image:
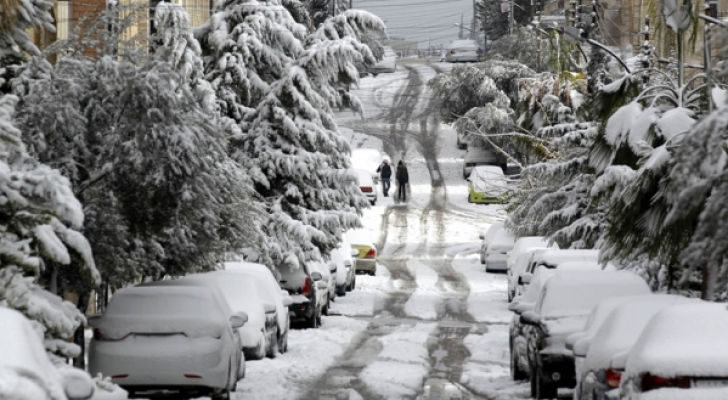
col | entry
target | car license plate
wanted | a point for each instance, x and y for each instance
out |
(710, 383)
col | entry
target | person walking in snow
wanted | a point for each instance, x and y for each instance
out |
(385, 174)
(402, 180)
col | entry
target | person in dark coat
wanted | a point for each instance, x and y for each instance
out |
(402, 180)
(385, 174)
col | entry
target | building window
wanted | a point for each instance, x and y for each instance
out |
(64, 15)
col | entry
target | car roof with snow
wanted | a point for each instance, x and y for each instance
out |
(575, 293)
(618, 322)
(465, 44)
(488, 171)
(360, 237)
(555, 257)
(364, 177)
(683, 340)
(503, 239)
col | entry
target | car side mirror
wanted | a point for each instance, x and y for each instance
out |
(93, 320)
(238, 319)
(573, 338)
(322, 285)
(269, 308)
(77, 384)
(513, 306)
(525, 279)
(481, 236)
(316, 276)
(354, 252)
(332, 267)
(530, 318)
(581, 347)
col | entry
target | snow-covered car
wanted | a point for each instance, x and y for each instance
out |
(525, 243)
(328, 272)
(518, 344)
(476, 156)
(366, 260)
(387, 64)
(555, 258)
(486, 237)
(367, 185)
(487, 185)
(367, 160)
(462, 51)
(168, 338)
(272, 293)
(347, 254)
(308, 290)
(26, 373)
(681, 354)
(566, 300)
(600, 351)
(259, 335)
(519, 267)
(496, 254)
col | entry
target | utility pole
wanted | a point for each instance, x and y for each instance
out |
(462, 19)
(472, 31)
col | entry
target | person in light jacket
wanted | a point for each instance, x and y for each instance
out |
(402, 180)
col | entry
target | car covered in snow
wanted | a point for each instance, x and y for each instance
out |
(270, 291)
(519, 267)
(462, 51)
(26, 372)
(563, 307)
(681, 354)
(366, 260)
(522, 245)
(328, 272)
(487, 185)
(308, 291)
(486, 237)
(480, 155)
(496, 254)
(168, 338)
(553, 259)
(387, 64)
(600, 351)
(367, 185)
(342, 256)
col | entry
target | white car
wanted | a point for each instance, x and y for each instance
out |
(462, 51)
(487, 237)
(328, 291)
(367, 160)
(476, 156)
(556, 258)
(527, 242)
(168, 338)
(496, 255)
(520, 267)
(259, 335)
(612, 329)
(26, 372)
(562, 309)
(367, 185)
(345, 277)
(271, 291)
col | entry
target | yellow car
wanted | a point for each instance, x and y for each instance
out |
(487, 185)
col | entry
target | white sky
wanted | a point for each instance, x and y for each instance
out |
(421, 20)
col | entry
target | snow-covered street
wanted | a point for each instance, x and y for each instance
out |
(431, 324)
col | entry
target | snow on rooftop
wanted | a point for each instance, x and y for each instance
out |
(575, 293)
(684, 340)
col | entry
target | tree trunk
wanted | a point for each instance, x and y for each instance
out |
(78, 337)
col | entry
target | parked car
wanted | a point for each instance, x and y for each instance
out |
(366, 260)
(600, 352)
(168, 338)
(496, 254)
(566, 300)
(681, 354)
(367, 185)
(328, 272)
(387, 64)
(26, 372)
(308, 292)
(518, 332)
(487, 185)
(271, 292)
(367, 160)
(462, 51)
(519, 267)
(487, 237)
(525, 243)
(555, 258)
(476, 156)
(345, 273)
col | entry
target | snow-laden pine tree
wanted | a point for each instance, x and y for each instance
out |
(40, 218)
(280, 84)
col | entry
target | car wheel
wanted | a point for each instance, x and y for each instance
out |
(516, 372)
(261, 350)
(482, 261)
(318, 319)
(325, 309)
(544, 390)
(510, 296)
(220, 394)
(313, 321)
(283, 343)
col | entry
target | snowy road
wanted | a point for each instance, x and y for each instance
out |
(431, 324)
